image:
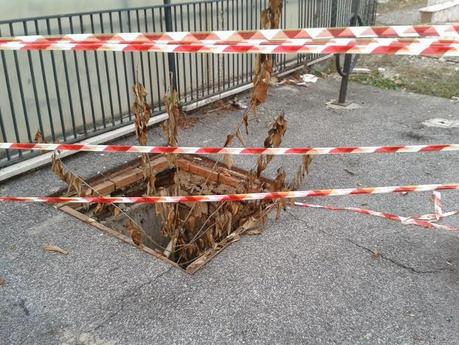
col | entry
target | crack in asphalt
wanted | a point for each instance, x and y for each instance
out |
(127, 295)
(391, 260)
(395, 262)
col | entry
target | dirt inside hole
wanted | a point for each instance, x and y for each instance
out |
(200, 230)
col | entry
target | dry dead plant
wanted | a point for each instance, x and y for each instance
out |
(169, 214)
(170, 125)
(270, 19)
(142, 113)
(218, 219)
(57, 167)
(302, 171)
(274, 139)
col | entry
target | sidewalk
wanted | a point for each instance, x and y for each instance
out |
(310, 278)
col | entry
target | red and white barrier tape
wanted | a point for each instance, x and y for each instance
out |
(65, 44)
(231, 150)
(424, 47)
(399, 31)
(233, 197)
(425, 221)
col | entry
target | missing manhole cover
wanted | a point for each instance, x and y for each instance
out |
(203, 229)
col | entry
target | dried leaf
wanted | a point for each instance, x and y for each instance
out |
(279, 181)
(2, 281)
(229, 140)
(239, 137)
(200, 209)
(376, 253)
(142, 113)
(54, 249)
(302, 171)
(171, 124)
(116, 212)
(229, 224)
(252, 223)
(99, 209)
(228, 160)
(39, 138)
(245, 120)
(276, 132)
(170, 248)
(254, 232)
(261, 165)
(73, 181)
(135, 234)
(234, 207)
(278, 211)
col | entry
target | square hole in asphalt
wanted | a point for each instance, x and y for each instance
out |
(186, 235)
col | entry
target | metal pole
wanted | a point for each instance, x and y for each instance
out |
(347, 68)
(170, 56)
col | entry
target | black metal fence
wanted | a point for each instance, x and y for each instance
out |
(70, 96)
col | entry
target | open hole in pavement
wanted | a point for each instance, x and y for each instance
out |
(199, 230)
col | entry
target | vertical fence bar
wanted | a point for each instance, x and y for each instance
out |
(126, 81)
(117, 82)
(190, 65)
(107, 74)
(96, 58)
(158, 84)
(150, 75)
(334, 13)
(56, 85)
(166, 72)
(182, 56)
(88, 80)
(140, 53)
(170, 56)
(177, 58)
(45, 86)
(4, 137)
(67, 83)
(77, 70)
(34, 83)
(21, 88)
(10, 98)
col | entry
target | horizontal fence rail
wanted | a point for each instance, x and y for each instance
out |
(70, 96)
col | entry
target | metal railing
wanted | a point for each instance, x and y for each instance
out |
(70, 96)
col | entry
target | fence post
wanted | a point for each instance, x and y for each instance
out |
(170, 56)
(347, 68)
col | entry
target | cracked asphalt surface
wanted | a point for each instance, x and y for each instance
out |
(314, 277)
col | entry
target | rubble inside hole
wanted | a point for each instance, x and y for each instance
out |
(200, 231)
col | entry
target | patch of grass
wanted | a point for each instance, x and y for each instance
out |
(376, 79)
(435, 83)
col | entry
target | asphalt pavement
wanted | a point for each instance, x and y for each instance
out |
(313, 277)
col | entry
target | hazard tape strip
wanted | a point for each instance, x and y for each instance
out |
(424, 47)
(233, 197)
(232, 150)
(425, 221)
(400, 31)
(438, 210)
(64, 44)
